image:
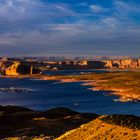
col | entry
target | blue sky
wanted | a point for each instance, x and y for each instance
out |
(69, 27)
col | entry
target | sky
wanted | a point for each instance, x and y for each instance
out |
(70, 27)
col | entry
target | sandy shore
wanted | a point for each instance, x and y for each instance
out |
(33, 76)
(60, 80)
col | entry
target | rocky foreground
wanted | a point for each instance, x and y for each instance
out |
(117, 127)
(18, 123)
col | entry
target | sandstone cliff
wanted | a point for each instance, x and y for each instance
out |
(19, 68)
(12, 70)
(124, 64)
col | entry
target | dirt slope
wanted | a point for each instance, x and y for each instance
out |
(100, 130)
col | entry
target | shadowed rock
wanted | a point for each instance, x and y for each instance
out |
(18, 121)
(60, 113)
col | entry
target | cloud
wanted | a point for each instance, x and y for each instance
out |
(43, 28)
(20, 10)
(62, 39)
(97, 8)
(111, 21)
(27, 15)
(126, 7)
(16, 9)
(123, 14)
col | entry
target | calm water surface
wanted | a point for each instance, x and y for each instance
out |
(50, 94)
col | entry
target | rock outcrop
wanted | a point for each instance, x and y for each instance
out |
(12, 70)
(18, 123)
(19, 68)
(124, 64)
(116, 127)
(121, 63)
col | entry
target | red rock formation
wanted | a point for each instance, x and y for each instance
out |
(127, 63)
(18, 68)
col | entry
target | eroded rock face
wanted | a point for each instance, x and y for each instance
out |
(119, 63)
(129, 63)
(12, 70)
(18, 68)
(15, 68)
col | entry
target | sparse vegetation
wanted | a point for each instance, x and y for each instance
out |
(130, 121)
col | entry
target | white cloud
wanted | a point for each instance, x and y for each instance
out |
(17, 9)
(111, 21)
(64, 38)
(126, 7)
(97, 8)
(57, 27)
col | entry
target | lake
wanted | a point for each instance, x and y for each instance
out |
(45, 95)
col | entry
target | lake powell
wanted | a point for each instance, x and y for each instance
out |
(44, 95)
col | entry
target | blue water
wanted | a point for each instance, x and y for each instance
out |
(51, 94)
(74, 72)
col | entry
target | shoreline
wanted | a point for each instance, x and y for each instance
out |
(96, 85)
(122, 94)
(33, 76)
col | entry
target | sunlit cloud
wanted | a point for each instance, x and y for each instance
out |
(47, 28)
